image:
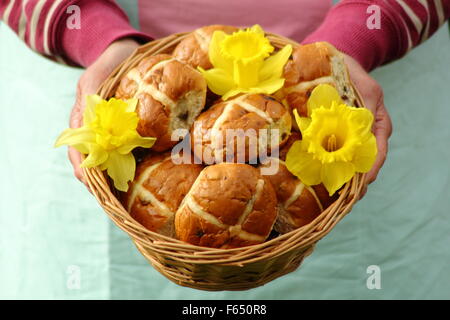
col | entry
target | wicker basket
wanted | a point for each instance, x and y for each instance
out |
(208, 268)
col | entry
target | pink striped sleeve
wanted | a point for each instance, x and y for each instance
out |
(51, 27)
(352, 26)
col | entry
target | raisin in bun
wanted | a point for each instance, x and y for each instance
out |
(311, 65)
(298, 204)
(245, 114)
(195, 47)
(230, 205)
(159, 187)
(171, 95)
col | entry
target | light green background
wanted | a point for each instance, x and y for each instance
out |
(49, 222)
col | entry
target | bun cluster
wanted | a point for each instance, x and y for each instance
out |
(220, 197)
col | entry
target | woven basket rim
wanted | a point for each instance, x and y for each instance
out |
(178, 250)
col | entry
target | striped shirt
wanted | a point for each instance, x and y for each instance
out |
(402, 25)
(373, 32)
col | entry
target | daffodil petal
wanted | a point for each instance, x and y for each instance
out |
(366, 155)
(303, 165)
(334, 175)
(215, 56)
(257, 29)
(137, 141)
(296, 116)
(302, 122)
(218, 80)
(270, 86)
(131, 105)
(97, 156)
(89, 112)
(363, 118)
(121, 168)
(273, 66)
(323, 95)
(232, 93)
(103, 166)
(79, 138)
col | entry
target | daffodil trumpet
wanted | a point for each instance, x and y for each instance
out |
(242, 63)
(337, 141)
(107, 137)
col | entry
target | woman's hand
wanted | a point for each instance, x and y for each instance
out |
(372, 95)
(90, 81)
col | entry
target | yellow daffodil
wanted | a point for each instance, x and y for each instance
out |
(322, 95)
(337, 141)
(108, 136)
(242, 63)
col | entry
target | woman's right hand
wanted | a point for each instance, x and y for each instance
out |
(89, 83)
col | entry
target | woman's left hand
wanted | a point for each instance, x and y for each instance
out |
(372, 94)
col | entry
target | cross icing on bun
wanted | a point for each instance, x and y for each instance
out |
(218, 133)
(171, 95)
(158, 190)
(230, 205)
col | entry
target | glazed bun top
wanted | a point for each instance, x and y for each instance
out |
(229, 205)
(171, 95)
(309, 62)
(194, 48)
(158, 189)
(311, 65)
(217, 135)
